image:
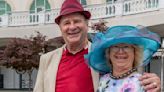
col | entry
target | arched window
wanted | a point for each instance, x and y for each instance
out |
(126, 7)
(39, 5)
(83, 2)
(110, 1)
(4, 7)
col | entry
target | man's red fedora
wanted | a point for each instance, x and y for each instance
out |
(72, 6)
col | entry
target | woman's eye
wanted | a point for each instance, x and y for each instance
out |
(126, 47)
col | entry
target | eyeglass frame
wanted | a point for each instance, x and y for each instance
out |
(125, 48)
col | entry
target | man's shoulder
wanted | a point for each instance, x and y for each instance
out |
(47, 57)
(58, 50)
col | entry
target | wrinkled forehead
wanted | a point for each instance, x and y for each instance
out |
(75, 15)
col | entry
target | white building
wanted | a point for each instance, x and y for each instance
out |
(20, 18)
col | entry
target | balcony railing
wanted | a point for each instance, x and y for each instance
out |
(98, 11)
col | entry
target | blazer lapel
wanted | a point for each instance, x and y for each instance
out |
(53, 68)
(95, 79)
(95, 75)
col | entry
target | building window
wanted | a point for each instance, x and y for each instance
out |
(4, 7)
(10, 79)
(83, 2)
(39, 6)
(111, 1)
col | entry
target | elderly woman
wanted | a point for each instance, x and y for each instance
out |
(120, 53)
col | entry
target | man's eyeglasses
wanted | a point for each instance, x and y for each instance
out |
(125, 48)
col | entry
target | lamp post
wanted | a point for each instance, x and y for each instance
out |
(162, 66)
(162, 70)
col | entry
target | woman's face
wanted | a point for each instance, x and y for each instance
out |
(121, 55)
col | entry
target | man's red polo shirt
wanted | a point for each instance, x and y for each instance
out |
(73, 74)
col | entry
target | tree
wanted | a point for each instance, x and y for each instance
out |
(23, 55)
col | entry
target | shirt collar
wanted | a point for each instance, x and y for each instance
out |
(69, 53)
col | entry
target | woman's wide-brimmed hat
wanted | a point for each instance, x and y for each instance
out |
(140, 36)
(72, 6)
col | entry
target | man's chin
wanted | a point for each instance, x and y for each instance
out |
(74, 42)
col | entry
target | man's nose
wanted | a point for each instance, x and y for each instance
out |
(72, 26)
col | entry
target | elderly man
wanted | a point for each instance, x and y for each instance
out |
(64, 69)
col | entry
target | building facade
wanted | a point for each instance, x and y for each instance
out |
(20, 18)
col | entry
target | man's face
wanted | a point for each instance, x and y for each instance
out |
(74, 28)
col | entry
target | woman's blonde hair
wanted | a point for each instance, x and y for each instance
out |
(138, 52)
(138, 59)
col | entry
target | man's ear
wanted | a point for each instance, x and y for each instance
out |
(87, 21)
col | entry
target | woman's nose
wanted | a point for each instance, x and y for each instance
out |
(121, 50)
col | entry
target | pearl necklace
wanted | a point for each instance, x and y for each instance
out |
(122, 75)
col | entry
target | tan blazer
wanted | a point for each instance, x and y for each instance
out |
(46, 78)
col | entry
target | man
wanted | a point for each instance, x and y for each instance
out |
(64, 69)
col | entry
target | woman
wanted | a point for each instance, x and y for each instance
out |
(120, 53)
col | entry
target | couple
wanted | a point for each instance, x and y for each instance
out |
(65, 69)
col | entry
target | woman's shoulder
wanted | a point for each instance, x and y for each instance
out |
(134, 75)
(133, 82)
